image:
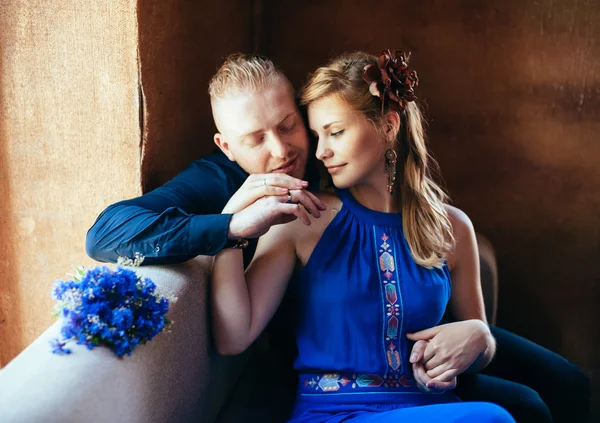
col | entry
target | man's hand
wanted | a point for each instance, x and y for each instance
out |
(269, 199)
(448, 350)
(256, 219)
(262, 185)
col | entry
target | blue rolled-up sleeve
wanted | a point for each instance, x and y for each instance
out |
(171, 224)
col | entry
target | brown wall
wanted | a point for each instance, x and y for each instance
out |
(512, 92)
(69, 137)
(181, 45)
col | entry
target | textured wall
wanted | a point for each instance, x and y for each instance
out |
(181, 45)
(512, 90)
(69, 145)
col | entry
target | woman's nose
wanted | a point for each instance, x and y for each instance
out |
(323, 151)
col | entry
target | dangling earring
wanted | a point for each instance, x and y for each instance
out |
(391, 158)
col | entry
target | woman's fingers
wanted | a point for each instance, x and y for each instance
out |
(427, 384)
(417, 351)
(280, 180)
(269, 190)
(421, 377)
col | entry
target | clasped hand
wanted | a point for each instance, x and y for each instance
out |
(443, 352)
(270, 199)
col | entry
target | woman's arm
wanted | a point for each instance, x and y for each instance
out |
(466, 301)
(465, 345)
(242, 304)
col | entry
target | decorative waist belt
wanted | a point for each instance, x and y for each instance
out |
(339, 383)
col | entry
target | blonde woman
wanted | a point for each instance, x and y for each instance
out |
(383, 261)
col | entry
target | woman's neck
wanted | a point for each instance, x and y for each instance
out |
(377, 197)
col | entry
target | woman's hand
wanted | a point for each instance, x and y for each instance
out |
(450, 349)
(267, 200)
(424, 381)
(258, 186)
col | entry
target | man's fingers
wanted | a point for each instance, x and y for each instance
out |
(424, 335)
(435, 371)
(321, 205)
(441, 386)
(285, 218)
(431, 357)
(417, 351)
(300, 196)
(296, 210)
(281, 183)
(446, 376)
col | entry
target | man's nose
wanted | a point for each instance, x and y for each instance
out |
(279, 148)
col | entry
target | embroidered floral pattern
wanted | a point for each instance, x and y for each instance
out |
(346, 382)
(390, 288)
(395, 379)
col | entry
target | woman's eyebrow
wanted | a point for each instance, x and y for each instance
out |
(330, 123)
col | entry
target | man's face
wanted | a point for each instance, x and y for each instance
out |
(263, 132)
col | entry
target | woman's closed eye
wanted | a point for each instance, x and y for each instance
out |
(337, 133)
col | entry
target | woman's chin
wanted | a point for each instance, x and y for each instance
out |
(341, 183)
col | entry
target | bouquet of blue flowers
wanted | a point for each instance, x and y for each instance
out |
(114, 308)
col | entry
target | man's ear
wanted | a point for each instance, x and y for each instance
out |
(223, 145)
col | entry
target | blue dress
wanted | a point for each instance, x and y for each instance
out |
(357, 297)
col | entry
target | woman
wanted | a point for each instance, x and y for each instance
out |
(376, 266)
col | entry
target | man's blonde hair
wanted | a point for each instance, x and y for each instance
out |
(243, 72)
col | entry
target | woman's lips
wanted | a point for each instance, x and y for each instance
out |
(334, 169)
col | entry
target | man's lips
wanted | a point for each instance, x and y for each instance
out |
(287, 167)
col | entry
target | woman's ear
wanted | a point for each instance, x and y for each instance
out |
(391, 123)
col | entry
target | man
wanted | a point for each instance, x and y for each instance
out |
(261, 133)
(230, 198)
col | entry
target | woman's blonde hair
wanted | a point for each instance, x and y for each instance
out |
(424, 216)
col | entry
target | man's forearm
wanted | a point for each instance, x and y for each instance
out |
(171, 236)
(486, 356)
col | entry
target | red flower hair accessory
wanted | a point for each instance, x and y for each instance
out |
(392, 78)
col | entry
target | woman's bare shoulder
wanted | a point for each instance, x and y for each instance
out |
(463, 234)
(461, 224)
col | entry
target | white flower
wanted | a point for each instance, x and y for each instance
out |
(137, 260)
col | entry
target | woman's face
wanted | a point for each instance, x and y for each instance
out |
(349, 146)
